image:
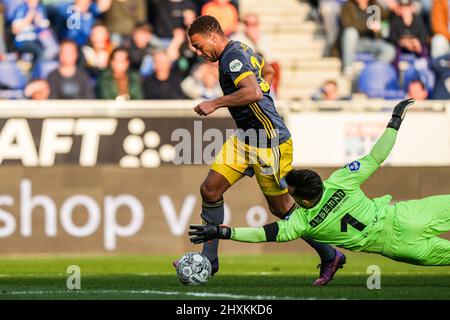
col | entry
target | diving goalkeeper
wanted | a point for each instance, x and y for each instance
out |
(336, 211)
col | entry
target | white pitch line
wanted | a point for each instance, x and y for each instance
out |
(156, 292)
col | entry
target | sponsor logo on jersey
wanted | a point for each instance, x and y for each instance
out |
(329, 206)
(244, 46)
(235, 65)
(354, 166)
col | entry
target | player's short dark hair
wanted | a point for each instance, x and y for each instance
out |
(205, 25)
(307, 184)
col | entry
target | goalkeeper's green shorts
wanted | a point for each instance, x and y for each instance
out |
(411, 230)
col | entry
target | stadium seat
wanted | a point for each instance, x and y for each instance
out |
(420, 70)
(43, 69)
(15, 78)
(407, 57)
(11, 94)
(11, 6)
(379, 80)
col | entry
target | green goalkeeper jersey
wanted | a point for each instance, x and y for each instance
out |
(344, 217)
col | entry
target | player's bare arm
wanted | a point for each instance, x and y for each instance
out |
(249, 92)
(268, 73)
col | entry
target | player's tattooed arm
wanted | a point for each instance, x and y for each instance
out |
(248, 92)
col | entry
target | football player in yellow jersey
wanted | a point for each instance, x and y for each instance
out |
(262, 144)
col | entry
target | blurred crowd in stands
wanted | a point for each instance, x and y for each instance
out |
(389, 48)
(137, 49)
(107, 49)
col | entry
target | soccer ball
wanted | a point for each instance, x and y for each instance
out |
(194, 268)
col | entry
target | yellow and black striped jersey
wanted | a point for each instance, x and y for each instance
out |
(237, 62)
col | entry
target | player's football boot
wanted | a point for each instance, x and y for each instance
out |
(329, 268)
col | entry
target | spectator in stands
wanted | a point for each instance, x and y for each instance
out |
(69, 81)
(78, 23)
(330, 11)
(179, 38)
(441, 67)
(185, 57)
(225, 13)
(170, 19)
(440, 23)
(407, 30)
(189, 15)
(203, 83)
(313, 14)
(165, 82)
(201, 3)
(358, 37)
(168, 15)
(424, 10)
(144, 44)
(119, 82)
(37, 90)
(32, 31)
(252, 36)
(95, 55)
(122, 16)
(417, 90)
(329, 91)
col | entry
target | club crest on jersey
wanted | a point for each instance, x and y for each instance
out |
(354, 166)
(235, 65)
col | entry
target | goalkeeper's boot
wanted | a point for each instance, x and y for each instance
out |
(329, 268)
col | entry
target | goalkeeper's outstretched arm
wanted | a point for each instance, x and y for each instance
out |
(385, 143)
(210, 231)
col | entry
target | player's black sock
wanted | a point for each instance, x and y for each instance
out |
(215, 213)
(325, 251)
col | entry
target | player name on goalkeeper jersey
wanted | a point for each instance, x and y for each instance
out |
(329, 206)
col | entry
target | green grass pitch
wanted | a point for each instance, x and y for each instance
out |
(270, 276)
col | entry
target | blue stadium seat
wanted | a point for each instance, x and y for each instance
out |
(407, 57)
(11, 6)
(43, 69)
(15, 79)
(420, 70)
(11, 94)
(379, 80)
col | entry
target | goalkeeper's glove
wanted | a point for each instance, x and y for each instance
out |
(399, 113)
(210, 231)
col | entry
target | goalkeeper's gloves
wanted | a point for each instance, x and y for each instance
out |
(210, 231)
(399, 113)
